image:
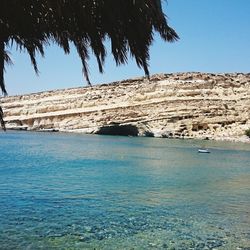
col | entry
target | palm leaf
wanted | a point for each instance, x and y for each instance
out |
(1, 119)
(128, 24)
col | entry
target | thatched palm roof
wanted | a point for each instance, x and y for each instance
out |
(128, 24)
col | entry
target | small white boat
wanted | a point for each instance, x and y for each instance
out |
(206, 151)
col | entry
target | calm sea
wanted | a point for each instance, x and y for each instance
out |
(67, 191)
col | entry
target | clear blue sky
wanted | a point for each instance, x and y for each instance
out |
(215, 37)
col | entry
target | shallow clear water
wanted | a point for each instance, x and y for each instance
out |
(64, 191)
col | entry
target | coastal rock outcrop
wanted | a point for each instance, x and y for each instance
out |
(182, 105)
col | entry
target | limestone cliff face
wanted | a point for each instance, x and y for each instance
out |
(189, 105)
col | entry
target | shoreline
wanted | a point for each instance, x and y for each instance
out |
(243, 139)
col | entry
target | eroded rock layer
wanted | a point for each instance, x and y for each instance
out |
(189, 105)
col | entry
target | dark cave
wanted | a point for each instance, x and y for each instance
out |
(124, 130)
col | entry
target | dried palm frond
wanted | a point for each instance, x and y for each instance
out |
(1, 119)
(129, 25)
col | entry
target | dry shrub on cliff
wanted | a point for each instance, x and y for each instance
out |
(247, 132)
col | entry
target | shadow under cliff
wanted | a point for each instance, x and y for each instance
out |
(124, 130)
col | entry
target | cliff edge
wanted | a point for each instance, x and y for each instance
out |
(181, 105)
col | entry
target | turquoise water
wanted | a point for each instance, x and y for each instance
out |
(64, 191)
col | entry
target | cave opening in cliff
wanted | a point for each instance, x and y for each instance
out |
(123, 130)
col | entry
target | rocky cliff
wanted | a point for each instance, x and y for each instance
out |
(186, 105)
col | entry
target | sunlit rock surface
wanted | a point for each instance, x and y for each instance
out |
(182, 105)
